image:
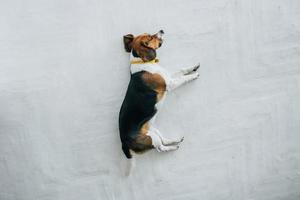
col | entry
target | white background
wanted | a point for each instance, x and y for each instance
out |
(64, 73)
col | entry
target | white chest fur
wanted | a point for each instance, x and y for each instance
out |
(150, 67)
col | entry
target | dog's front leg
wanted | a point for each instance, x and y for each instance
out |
(186, 71)
(178, 81)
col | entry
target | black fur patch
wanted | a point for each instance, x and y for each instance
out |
(138, 107)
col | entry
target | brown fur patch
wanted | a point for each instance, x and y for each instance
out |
(155, 82)
(142, 143)
(144, 128)
(145, 46)
(150, 41)
(144, 139)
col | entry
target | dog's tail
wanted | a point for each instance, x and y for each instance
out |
(130, 160)
(130, 165)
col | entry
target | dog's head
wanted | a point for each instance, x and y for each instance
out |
(145, 45)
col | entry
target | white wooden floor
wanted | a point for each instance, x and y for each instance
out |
(64, 73)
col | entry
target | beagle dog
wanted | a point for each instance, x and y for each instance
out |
(148, 86)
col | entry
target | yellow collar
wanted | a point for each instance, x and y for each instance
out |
(156, 60)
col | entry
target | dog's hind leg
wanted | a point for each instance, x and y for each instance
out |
(158, 143)
(163, 148)
(166, 141)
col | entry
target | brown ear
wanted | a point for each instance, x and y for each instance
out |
(147, 54)
(127, 39)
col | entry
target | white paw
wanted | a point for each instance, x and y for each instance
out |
(195, 75)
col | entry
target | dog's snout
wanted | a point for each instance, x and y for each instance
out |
(160, 33)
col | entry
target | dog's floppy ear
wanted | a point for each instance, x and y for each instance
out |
(127, 39)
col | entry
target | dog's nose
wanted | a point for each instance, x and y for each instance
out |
(160, 34)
